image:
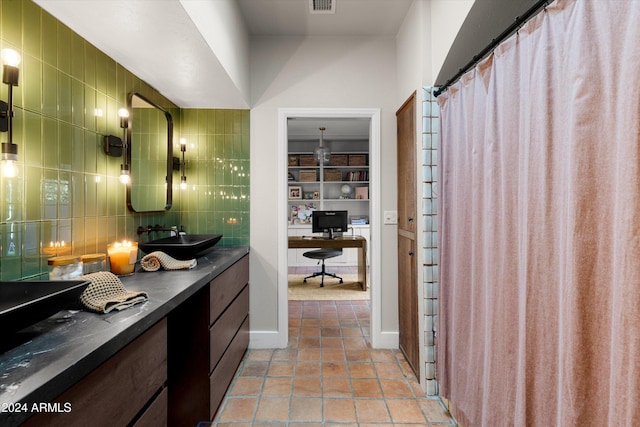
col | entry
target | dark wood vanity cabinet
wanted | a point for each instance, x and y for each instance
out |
(208, 336)
(127, 389)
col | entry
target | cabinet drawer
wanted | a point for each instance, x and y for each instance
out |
(156, 413)
(226, 286)
(117, 390)
(223, 374)
(225, 328)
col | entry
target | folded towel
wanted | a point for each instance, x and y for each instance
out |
(106, 293)
(157, 259)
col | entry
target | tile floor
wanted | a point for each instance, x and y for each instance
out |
(328, 376)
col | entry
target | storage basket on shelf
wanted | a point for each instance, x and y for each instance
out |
(339, 160)
(307, 160)
(357, 159)
(307, 175)
(332, 175)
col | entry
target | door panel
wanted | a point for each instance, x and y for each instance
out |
(407, 263)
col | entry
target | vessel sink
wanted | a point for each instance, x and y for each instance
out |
(25, 303)
(182, 247)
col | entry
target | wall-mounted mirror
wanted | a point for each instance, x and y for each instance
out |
(150, 154)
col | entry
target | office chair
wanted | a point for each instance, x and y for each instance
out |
(321, 255)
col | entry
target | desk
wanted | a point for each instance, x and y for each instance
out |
(359, 242)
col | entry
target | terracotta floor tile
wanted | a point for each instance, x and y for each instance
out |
(357, 355)
(273, 409)
(354, 342)
(333, 355)
(309, 354)
(394, 389)
(366, 388)
(330, 332)
(405, 411)
(254, 368)
(306, 409)
(334, 369)
(382, 356)
(277, 386)
(303, 387)
(260, 355)
(239, 409)
(362, 370)
(308, 369)
(339, 410)
(434, 410)
(309, 332)
(336, 387)
(351, 332)
(331, 342)
(372, 411)
(281, 368)
(247, 386)
(389, 370)
(328, 376)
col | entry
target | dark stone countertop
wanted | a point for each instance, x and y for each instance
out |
(45, 359)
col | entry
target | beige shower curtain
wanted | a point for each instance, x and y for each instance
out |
(539, 214)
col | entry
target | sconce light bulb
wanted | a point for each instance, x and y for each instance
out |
(11, 57)
(9, 168)
(125, 179)
(125, 176)
(123, 113)
(183, 182)
(183, 145)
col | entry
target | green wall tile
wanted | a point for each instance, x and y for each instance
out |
(50, 40)
(31, 83)
(64, 53)
(50, 145)
(67, 187)
(31, 36)
(11, 30)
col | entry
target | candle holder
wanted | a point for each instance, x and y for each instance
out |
(122, 257)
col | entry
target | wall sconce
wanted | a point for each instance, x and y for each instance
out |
(125, 172)
(183, 176)
(10, 73)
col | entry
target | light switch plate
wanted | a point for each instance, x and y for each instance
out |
(390, 217)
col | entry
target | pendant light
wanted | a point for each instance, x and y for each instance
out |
(322, 154)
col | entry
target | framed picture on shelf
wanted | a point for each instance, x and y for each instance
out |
(295, 192)
(308, 195)
(316, 195)
(362, 193)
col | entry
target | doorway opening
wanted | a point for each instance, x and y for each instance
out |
(307, 186)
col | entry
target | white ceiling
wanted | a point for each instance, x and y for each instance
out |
(159, 42)
(352, 18)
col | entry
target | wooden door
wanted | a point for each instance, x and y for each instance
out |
(407, 263)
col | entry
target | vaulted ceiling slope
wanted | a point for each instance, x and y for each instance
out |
(196, 52)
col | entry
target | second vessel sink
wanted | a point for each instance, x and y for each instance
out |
(25, 303)
(182, 247)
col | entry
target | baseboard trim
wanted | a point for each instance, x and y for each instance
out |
(267, 339)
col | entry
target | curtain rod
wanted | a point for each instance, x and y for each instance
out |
(519, 21)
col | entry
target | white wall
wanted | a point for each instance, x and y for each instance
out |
(321, 72)
(447, 18)
(227, 36)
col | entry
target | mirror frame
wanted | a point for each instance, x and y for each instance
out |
(169, 175)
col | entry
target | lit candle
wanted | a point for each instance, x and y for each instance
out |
(122, 256)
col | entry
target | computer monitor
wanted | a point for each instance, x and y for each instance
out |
(329, 222)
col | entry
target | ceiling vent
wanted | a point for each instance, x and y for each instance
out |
(322, 6)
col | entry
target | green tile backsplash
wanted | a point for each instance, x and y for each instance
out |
(67, 189)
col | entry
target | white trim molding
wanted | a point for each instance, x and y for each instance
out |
(377, 339)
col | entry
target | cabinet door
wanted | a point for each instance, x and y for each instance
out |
(118, 390)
